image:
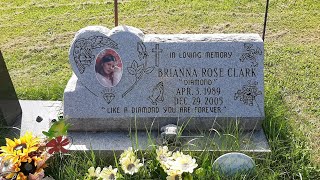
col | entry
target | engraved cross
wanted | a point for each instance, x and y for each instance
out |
(157, 50)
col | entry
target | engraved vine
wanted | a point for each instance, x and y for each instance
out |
(139, 69)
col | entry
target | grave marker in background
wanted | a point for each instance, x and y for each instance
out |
(10, 109)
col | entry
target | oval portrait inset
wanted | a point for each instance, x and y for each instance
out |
(108, 68)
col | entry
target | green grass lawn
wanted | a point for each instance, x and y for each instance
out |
(35, 39)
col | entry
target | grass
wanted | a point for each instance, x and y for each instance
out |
(35, 38)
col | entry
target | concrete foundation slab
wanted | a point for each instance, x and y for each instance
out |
(251, 142)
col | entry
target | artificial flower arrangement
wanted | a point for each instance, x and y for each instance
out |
(25, 158)
(176, 165)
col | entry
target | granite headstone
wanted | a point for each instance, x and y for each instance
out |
(122, 75)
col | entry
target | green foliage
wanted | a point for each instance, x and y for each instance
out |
(290, 157)
(58, 128)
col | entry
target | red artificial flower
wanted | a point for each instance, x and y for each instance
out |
(57, 145)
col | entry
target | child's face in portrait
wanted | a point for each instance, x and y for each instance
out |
(108, 67)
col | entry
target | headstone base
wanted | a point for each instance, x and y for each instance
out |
(115, 142)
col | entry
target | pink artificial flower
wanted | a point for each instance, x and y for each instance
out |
(36, 176)
(57, 145)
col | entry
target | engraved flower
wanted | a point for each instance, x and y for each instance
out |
(108, 173)
(248, 93)
(250, 54)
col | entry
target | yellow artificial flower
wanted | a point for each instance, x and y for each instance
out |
(19, 176)
(131, 165)
(108, 173)
(19, 148)
(23, 169)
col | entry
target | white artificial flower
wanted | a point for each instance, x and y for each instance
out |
(184, 163)
(170, 161)
(108, 173)
(94, 172)
(174, 174)
(166, 165)
(163, 154)
(177, 154)
(131, 165)
(127, 153)
(174, 177)
(1, 164)
(6, 166)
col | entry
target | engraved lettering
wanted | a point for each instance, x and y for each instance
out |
(185, 109)
(218, 55)
(190, 55)
(177, 72)
(242, 72)
(145, 109)
(207, 109)
(209, 72)
(113, 110)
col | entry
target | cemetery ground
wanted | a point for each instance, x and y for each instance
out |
(35, 39)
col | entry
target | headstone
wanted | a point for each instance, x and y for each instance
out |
(124, 78)
(10, 109)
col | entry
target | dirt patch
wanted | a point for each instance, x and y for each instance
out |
(15, 43)
(277, 34)
(31, 44)
(237, 14)
(310, 37)
(56, 5)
